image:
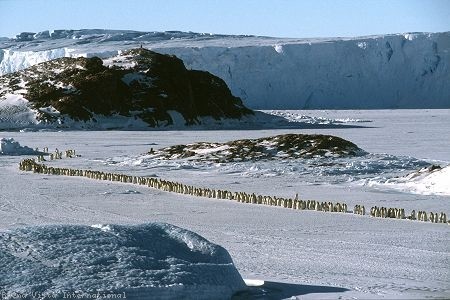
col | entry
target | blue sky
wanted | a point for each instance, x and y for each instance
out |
(282, 18)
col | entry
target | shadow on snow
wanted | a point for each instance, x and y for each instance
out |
(279, 290)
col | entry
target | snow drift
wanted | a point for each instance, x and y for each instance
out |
(389, 71)
(8, 146)
(429, 180)
(155, 260)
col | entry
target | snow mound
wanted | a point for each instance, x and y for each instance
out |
(430, 180)
(8, 146)
(155, 260)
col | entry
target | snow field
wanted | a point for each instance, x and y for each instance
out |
(370, 257)
(309, 254)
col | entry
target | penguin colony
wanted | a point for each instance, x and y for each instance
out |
(30, 165)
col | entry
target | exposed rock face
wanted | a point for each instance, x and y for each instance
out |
(280, 146)
(138, 83)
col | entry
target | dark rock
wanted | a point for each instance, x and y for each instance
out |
(431, 169)
(286, 146)
(139, 83)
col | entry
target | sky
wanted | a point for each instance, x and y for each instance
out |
(279, 18)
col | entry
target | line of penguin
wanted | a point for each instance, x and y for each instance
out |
(31, 165)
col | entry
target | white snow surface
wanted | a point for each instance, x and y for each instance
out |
(421, 182)
(281, 252)
(408, 70)
(135, 261)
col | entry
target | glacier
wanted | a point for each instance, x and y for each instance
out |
(408, 70)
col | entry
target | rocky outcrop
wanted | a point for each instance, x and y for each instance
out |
(138, 83)
(276, 147)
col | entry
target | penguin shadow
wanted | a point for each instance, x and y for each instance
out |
(278, 290)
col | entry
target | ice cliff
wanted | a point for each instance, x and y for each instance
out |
(390, 71)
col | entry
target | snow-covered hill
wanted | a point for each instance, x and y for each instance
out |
(391, 71)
